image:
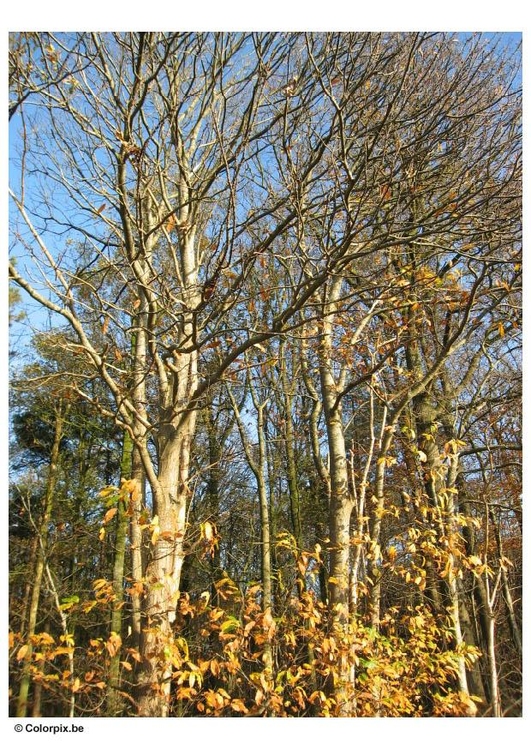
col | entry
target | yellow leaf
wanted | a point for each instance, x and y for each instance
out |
(238, 705)
(108, 491)
(68, 638)
(155, 529)
(101, 535)
(110, 515)
(207, 531)
(23, 650)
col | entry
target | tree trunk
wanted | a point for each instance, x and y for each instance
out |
(258, 466)
(170, 484)
(115, 702)
(265, 534)
(163, 573)
(40, 563)
(341, 504)
(136, 535)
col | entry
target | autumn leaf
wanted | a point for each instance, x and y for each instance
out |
(155, 529)
(207, 531)
(68, 602)
(230, 625)
(108, 491)
(110, 515)
(136, 588)
(171, 224)
(134, 654)
(23, 650)
(68, 639)
(113, 644)
(239, 706)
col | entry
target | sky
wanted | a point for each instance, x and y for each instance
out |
(229, 15)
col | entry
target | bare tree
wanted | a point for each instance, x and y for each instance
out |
(162, 181)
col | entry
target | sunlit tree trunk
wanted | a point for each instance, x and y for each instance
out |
(137, 496)
(341, 500)
(291, 463)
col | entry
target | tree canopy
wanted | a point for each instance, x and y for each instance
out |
(266, 436)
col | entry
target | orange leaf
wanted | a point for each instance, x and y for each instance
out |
(110, 515)
(113, 644)
(134, 654)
